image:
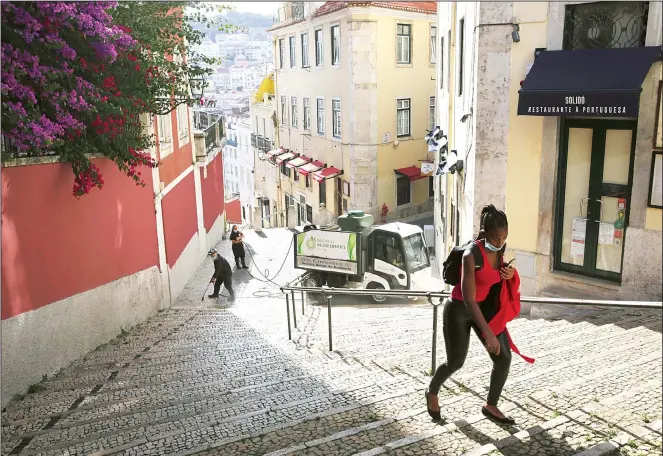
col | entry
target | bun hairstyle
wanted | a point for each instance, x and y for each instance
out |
(491, 219)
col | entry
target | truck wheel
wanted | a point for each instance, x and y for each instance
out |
(377, 297)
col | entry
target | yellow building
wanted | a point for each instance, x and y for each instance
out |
(355, 96)
(553, 107)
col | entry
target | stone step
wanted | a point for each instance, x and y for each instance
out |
(197, 432)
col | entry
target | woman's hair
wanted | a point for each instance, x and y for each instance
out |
(492, 219)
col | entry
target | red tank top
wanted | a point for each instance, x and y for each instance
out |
(484, 279)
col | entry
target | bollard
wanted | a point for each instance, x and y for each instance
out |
(287, 308)
(294, 312)
(302, 302)
(329, 323)
(433, 360)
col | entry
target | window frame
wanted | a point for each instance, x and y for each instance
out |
(398, 188)
(432, 44)
(304, 45)
(399, 38)
(319, 47)
(335, 44)
(293, 112)
(335, 134)
(320, 120)
(306, 106)
(322, 192)
(441, 60)
(432, 112)
(409, 116)
(461, 55)
(284, 110)
(183, 133)
(281, 53)
(292, 48)
(165, 135)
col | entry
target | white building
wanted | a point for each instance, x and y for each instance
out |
(238, 159)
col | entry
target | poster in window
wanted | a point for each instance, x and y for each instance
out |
(658, 131)
(578, 231)
(655, 184)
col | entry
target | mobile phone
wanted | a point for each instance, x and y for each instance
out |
(509, 263)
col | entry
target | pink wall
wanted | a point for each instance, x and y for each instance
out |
(212, 190)
(180, 221)
(55, 246)
(234, 212)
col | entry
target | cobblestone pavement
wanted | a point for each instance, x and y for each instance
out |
(215, 378)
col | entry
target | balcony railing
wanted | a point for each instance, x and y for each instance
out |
(290, 12)
(210, 139)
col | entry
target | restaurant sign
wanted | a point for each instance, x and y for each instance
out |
(592, 104)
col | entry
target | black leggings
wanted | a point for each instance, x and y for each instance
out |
(456, 324)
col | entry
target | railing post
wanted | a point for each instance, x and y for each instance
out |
(302, 302)
(329, 321)
(294, 312)
(287, 308)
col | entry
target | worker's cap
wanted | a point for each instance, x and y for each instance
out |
(211, 252)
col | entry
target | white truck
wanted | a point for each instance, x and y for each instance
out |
(357, 254)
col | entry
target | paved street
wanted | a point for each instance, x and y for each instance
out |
(214, 378)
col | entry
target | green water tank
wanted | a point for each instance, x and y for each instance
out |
(355, 221)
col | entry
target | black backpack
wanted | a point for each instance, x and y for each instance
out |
(452, 265)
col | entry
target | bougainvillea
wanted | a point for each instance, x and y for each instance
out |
(80, 78)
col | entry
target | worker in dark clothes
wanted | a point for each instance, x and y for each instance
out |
(237, 239)
(223, 274)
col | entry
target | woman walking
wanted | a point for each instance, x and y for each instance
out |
(474, 302)
(237, 239)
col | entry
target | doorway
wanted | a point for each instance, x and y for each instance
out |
(593, 196)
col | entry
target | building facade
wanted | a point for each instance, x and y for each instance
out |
(355, 98)
(238, 159)
(552, 130)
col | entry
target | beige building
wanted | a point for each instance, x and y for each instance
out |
(355, 96)
(555, 109)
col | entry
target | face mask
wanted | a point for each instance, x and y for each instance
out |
(491, 247)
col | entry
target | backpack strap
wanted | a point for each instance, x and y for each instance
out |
(478, 256)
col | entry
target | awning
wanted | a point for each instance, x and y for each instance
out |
(326, 173)
(297, 162)
(310, 167)
(275, 152)
(591, 82)
(283, 157)
(411, 172)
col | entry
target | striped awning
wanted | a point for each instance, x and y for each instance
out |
(310, 167)
(326, 173)
(297, 162)
(275, 152)
(283, 157)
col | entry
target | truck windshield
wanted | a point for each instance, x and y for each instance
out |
(415, 252)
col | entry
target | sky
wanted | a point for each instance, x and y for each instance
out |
(256, 7)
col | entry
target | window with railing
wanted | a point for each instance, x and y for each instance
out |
(604, 25)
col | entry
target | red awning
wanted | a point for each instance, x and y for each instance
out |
(297, 162)
(283, 157)
(310, 167)
(326, 173)
(275, 152)
(411, 172)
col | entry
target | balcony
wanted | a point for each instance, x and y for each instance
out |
(290, 12)
(210, 140)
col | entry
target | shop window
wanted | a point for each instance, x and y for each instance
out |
(605, 25)
(402, 191)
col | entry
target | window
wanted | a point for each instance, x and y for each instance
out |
(387, 249)
(403, 43)
(293, 56)
(336, 116)
(403, 117)
(304, 38)
(307, 181)
(284, 111)
(284, 169)
(295, 176)
(433, 44)
(183, 121)
(318, 48)
(309, 213)
(293, 111)
(323, 192)
(281, 53)
(461, 55)
(402, 191)
(345, 205)
(442, 63)
(321, 116)
(431, 187)
(431, 114)
(165, 135)
(336, 44)
(307, 113)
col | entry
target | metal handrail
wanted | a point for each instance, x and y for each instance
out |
(430, 295)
